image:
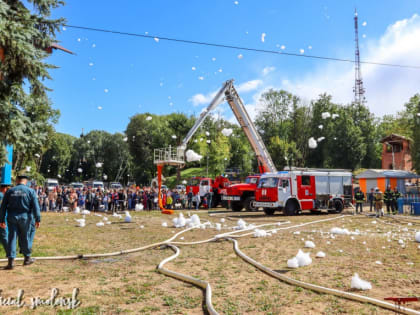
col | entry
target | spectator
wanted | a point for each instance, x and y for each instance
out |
(81, 200)
(52, 197)
(59, 201)
(169, 202)
(105, 201)
(190, 198)
(89, 199)
(97, 199)
(43, 200)
(145, 200)
(371, 199)
(121, 200)
(197, 200)
(73, 200)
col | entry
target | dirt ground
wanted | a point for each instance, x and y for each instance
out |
(131, 284)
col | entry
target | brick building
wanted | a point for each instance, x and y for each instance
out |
(396, 153)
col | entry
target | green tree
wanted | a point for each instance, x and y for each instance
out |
(274, 123)
(273, 118)
(284, 151)
(179, 125)
(57, 157)
(241, 154)
(365, 121)
(144, 136)
(299, 133)
(25, 110)
(347, 148)
(322, 129)
(218, 151)
(413, 108)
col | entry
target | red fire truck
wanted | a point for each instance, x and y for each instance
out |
(217, 186)
(297, 190)
(242, 195)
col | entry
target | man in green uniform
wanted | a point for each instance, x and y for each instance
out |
(20, 204)
(360, 199)
(3, 232)
(388, 199)
(395, 195)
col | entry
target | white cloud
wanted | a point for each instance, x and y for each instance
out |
(387, 88)
(201, 99)
(249, 86)
(205, 99)
(267, 70)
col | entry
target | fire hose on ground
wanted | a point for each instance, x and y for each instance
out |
(231, 237)
(320, 289)
(197, 282)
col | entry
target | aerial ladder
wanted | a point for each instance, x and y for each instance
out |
(176, 156)
(229, 93)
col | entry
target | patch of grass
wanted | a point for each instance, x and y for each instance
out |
(185, 175)
(89, 310)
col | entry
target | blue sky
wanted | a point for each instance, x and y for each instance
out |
(142, 75)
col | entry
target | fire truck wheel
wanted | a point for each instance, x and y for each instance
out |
(291, 208)
(269, 211)
(338, 206)
(236, 206)
(249, 204)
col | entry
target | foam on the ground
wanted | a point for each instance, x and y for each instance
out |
(417, 237)
(309, 244)
(357, 283)
(293, 263)
(127, 218)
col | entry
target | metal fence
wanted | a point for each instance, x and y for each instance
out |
(407, 202)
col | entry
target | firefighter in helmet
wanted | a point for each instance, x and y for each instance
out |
(388, 195)
(378, 202)
(360, 199)
(395, 195)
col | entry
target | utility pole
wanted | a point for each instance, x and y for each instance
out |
(359, 91)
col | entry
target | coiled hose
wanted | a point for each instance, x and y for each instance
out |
(197, 282)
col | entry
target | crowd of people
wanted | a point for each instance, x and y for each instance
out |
(63, 198)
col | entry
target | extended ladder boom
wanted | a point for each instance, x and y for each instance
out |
(254, 138)
(214, 103)
(229, 92)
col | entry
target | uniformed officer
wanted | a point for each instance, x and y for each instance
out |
(20, 204)
(388, 199)
(395, 195)
(378, 202)
(3, 232)
(360, 199)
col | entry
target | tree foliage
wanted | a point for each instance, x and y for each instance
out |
(26, 114)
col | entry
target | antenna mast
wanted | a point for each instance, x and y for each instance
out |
(359, 91)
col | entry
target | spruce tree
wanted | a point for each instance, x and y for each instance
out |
(26, 114)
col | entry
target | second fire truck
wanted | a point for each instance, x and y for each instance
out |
(299, 189)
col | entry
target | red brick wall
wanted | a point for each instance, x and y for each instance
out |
(402, 158)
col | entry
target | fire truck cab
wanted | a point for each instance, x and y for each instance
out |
(242, 195)
(295, 191)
